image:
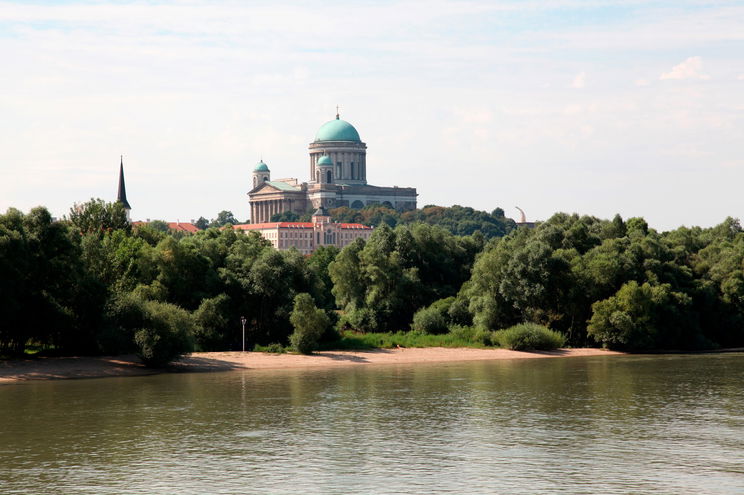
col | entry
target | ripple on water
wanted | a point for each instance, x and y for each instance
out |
(611, 425)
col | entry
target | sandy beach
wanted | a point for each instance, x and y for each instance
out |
(92, 367)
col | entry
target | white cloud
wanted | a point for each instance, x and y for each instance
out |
(741, 77)
(689, 69)
(641, 82)
(579, 81)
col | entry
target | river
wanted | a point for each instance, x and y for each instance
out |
(593, 425)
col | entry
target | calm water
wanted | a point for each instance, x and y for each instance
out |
(601, 425)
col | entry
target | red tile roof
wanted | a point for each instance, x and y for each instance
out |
(183, 226)
(177, 226)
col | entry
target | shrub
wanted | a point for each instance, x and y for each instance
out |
(485, 337)
(528, 337)
(462, 332)
(433, 319)
(271, 348)
(309, 324)
(167, 335)
(429, 320)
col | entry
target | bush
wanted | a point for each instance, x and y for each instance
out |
(167, 336)
(433, 319)
(462, 332)
(309, 324)
(529, 337)
(158, 332)
(271, 348)
(429, 320)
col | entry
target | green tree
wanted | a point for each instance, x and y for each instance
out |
(212, 329)
(98, 216)
(309, 324)
(202, 223)
(642, 316)
(46, 297)
(224, 218)
(166, 335)
(285, 216)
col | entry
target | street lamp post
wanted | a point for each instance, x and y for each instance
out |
(242, 322)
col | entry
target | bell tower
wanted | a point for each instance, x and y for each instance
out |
(261, 174)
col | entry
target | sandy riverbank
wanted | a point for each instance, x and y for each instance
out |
(92, 367)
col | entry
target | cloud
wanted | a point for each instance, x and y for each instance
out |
(741, 77)
(641, 82)
(579, 81)
(689, 69)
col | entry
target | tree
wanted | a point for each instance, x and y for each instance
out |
(166, 336)
(98, 216)
(285, 216)
(202, 223)
(159, 225)
(642, 317)
(309, 324)
(212, 324)
(47, 297)
(224, 218)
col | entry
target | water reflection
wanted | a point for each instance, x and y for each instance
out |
(661, 424)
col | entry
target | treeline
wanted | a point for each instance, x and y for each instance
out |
(92, 284)
(457, 220)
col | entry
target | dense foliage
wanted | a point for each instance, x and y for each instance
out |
(309, 323)
(457, 220)
(529, 337)
(92, 284)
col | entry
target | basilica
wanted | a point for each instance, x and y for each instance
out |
(338, 177)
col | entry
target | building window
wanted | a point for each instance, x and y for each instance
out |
(338, 170)
(330, 177)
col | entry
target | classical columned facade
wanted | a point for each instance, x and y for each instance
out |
(349, 160)
(338, 177)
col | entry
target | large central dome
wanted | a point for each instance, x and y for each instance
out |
(337, 130)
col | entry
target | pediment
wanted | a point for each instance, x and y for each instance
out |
(271, 188)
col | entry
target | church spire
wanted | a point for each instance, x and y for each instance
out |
(121, 196)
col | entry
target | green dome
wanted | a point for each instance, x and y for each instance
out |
(337, 130)
(325, 160)
(261, 167)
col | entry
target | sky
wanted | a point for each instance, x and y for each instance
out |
(591, 107)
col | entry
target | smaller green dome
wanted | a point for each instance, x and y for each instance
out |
(261, 167)
(325, 160)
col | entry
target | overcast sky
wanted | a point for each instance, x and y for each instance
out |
(594, 107)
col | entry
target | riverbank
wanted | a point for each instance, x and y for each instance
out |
(106, 366)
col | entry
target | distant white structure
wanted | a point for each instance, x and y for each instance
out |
(306, 237)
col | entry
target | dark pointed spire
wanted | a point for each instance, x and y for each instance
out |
(121, 196)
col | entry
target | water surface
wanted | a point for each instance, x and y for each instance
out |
(607, 424)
